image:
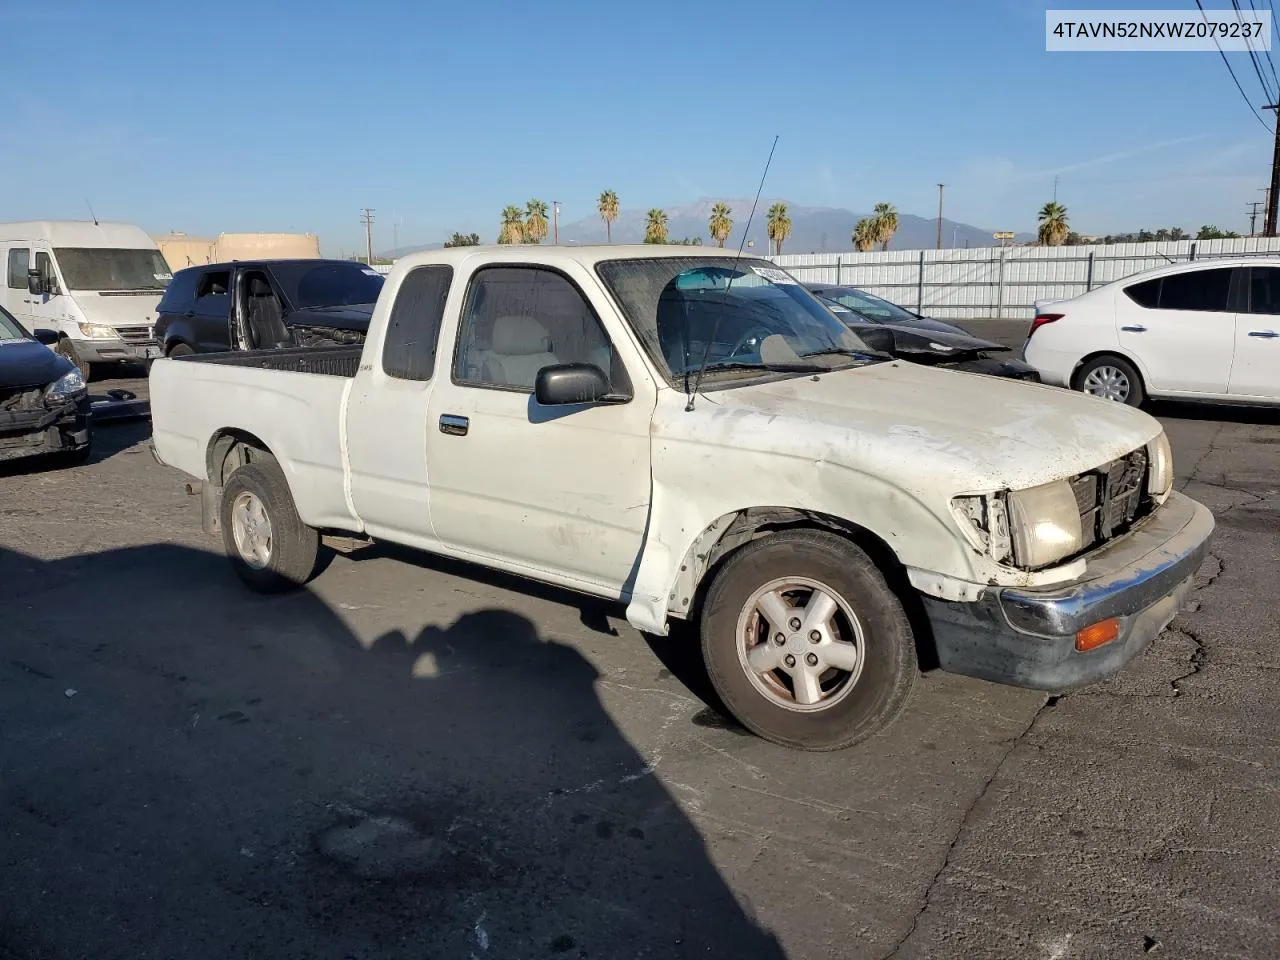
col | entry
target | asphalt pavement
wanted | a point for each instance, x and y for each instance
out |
(418, 758)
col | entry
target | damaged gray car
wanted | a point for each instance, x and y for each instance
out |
(901, 333)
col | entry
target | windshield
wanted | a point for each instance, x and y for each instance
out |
(102, 268)
(747, 314)
(867, 306)
(312, 285)
(9, 327)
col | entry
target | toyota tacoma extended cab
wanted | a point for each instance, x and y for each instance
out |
(696, 436)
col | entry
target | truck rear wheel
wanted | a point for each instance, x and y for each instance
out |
(805, 643)
(270, 547)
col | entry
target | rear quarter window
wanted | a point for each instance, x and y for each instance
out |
(181, 292)
(1145, 294)
(413, 327)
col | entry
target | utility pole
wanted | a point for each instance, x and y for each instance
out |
(1253, 216)
(1055, 189)
(555, 221)
(366, 217)
(940, 186)
(1273, 194)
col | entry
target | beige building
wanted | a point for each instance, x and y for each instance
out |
(180, 250)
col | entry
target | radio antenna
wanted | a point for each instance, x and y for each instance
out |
(91, 213)
(715, 325)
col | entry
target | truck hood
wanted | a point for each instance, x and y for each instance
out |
(28, 363)
(928, 428)
(126, 309)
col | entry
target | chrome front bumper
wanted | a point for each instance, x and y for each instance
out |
(1026, 637)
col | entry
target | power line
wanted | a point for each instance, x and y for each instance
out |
(1253, 57)
(1270, 62)
(1247, 101)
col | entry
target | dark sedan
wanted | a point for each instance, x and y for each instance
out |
(44, 405)
(909, 336)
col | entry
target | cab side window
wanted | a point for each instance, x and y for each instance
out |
(518, 320)
(19, 263)
(48, 278)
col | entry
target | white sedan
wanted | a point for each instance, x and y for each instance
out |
(1205, 330)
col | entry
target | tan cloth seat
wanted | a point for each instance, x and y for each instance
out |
(519, 348)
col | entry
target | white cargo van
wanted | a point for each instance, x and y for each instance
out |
(96, 284)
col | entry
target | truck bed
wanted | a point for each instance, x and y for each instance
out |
(341, 361)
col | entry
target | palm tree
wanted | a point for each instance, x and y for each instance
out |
(608, 207)
(1053, 224)
(512, 225)
(885, 218)
(779, 226)
(864, 234)
(720, 223)
(655, 228)
(1177, 233)
(535, 221)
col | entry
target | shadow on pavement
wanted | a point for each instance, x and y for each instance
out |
(192, 770)
(680, 653)
(1218, 412)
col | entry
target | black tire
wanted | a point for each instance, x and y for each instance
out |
(67, 349)
(889, 668)
(180, 350)
(1136, 395)
(293, 546)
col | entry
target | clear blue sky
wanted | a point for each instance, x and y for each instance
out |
(291, 115)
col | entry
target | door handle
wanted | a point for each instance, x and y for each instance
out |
(1264, 334)
(453, 425)
(189, 314)
(1134, 328)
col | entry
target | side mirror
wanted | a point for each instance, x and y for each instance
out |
(566, 383)
(46, 336)
(876, 337)
(33, 281)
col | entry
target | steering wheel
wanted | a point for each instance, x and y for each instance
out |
(752, 333)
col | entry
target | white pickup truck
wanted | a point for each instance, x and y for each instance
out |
(835, 520)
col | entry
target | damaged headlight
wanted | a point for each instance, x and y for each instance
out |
(65, 388)
(1030, 528)
(1160, 471)
(1045, 523)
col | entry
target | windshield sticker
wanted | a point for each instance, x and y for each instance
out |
(773, 275)
(372, 273)
(163, 276)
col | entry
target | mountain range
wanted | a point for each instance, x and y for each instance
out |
(813, 229)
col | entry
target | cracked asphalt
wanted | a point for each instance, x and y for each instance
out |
(415, 758)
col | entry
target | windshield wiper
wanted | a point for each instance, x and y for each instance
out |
(786, 366)
(847, 352)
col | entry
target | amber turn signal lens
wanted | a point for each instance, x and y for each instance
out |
(1097, 634)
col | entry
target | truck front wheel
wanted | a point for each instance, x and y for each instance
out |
(270, 547)
(805, 643)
